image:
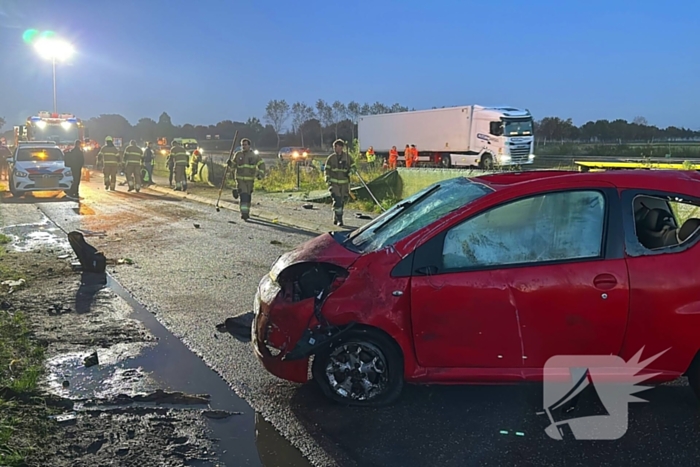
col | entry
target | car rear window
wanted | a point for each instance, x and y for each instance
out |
(39, 154)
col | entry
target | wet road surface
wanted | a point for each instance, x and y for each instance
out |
(194, 278)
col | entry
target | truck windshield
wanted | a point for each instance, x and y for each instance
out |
(416, 212)
(518, 127)
(39, 155)
(56, 133)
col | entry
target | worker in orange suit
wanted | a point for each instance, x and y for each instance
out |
(393, 158)
(408, 156)
(414, 154)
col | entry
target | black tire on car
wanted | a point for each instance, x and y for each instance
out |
(362, 368)
(15, 193)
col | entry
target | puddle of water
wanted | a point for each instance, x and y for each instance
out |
(114, 374)
(248, 439)
(28, 237)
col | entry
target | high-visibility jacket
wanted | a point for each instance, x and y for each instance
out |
(133, 155)
(246, 165)
(371, 157)
(408, 157)
(393, 155)
(180, 156)
(110, 155)
(338, 168)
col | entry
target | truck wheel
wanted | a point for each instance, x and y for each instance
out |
(486, 162)
(363, 368)
(446, 161)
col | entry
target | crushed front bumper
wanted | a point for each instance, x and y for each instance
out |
(277, 326)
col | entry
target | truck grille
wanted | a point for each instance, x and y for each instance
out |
(519, 154)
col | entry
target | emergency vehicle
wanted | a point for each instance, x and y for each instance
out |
(62, 129)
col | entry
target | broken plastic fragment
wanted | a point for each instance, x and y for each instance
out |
(504, 432)
(519, 433)
(14, 284)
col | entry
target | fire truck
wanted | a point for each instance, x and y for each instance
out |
(62, 129)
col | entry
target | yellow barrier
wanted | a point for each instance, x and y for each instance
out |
(585, 166)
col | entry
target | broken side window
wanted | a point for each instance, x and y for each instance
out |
(663, 222)
(549, 227)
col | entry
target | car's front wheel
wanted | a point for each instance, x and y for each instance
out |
(363, 368)
(15, 192)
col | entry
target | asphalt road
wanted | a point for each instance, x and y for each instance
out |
(194, 278)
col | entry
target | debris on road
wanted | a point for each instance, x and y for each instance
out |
(196, 226)
(125, 261)
(219, 414)
(91, 360)
(307, 206)
(238, 326)
(92, 233)
(275, 242)
(14, 285)
(359, 215)
(159, 397)
(90, 259)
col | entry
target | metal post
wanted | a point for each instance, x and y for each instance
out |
(298, 175)
(54, 84)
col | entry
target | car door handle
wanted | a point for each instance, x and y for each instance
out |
(427, 270)
(605, 281)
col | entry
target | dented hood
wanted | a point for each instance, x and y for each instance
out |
(323, 248)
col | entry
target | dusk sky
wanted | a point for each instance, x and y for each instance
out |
(204, 61)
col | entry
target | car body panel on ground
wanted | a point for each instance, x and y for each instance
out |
(486, 280)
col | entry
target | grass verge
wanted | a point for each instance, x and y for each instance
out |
(283, 178)
(23, 425)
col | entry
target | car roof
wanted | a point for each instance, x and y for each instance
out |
(668, 180)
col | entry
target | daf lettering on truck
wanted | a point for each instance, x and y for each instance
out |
(465, 136)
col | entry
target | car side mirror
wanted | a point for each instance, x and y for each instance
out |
(9, 160)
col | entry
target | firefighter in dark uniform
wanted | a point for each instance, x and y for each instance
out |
(111, 159)
(181, 160)
(247, 166)
(133, 159)
(339, 165)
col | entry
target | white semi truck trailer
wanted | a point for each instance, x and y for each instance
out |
(465, 136)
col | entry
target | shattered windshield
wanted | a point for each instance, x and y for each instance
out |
(416, 212)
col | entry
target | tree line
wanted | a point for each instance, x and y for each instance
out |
(558, 130)
(319, 124)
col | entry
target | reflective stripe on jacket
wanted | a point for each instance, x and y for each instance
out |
(133, 155)
(246, 165)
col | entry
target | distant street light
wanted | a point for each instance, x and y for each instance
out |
(54, 49)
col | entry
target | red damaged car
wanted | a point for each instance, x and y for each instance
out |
(483, 280)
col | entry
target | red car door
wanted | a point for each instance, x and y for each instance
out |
(522, 281)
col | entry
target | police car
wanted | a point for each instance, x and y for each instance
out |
(38, 166)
